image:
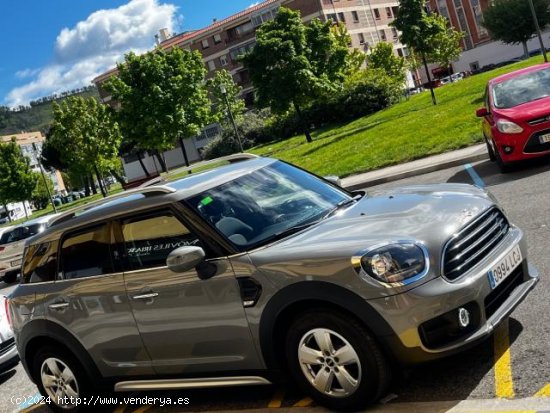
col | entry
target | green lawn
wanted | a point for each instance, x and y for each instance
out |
(408, 130)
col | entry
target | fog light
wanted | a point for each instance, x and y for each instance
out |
(463, 317)
(508, 149)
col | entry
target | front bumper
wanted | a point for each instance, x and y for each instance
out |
(407, 312)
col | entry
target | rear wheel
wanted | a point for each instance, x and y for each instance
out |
(335, 359)
(10, 277)
(61, 379)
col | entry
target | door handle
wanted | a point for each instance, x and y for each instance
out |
(145, 296)
(59, 305)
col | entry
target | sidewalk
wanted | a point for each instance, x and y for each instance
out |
(418, 167)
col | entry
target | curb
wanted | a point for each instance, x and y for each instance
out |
(415, 172)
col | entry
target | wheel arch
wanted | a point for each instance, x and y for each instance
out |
(38, 333)
(296, 298)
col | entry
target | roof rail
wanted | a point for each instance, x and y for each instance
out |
(151, 190)
(236, 157)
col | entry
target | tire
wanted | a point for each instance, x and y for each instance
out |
(490, 151)
(10, 277)
(367, 371)
(54, 362)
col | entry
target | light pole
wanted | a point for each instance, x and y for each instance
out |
(35, 149)
(226, 99)
(537, 27)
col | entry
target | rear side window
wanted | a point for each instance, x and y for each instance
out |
(21, 233)
(40, 262)
(87, 253)
(149, 239)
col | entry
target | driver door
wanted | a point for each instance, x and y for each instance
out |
(188, 325)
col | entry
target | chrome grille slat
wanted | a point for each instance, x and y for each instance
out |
(479, 237)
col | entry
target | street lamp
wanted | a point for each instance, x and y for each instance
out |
(537, 27)
(35, 149)
(226, 99)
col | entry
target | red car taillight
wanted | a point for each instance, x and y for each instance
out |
(2, 249)
(8, 314)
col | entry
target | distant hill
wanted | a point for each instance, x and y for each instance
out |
(38, 116)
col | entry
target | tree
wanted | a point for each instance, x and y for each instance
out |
(85, 135)
(383, 57)
(223, 78)
(419, 30)
(293, 64)
(17, 180)
(446, 46)
(40, 195)
(511, 21)
(163, 97)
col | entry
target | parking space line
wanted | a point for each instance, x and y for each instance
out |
(277, 399)
(544, 392)
(475, 177)
(504, 383)
(306, 402)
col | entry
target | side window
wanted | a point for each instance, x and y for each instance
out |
(87, 253)
(40, 262)
(149, 239)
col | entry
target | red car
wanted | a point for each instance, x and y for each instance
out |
(516, 116)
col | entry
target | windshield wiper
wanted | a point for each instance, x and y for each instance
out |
(343, 204)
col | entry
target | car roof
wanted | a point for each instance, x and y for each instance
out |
(511, 75)
(156, 195)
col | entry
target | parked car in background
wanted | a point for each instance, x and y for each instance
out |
(258, 269)
(8, 350)
(516, 115)
(12, 245)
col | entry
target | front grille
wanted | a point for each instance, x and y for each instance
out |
(534, 145)
(7, 345)
(467, 248)
(496, 297)
(538, 121)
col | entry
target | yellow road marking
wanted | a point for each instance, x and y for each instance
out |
(120, 409)
(544, 392)
(504, 384)
(304, 402)
(142, 409)
(277, 399)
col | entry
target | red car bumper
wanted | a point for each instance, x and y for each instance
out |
(525, 145)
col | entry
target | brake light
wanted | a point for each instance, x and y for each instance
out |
(2, 249)
(8, 314)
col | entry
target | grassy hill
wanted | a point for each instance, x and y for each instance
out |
(408, 130)
(35, 118)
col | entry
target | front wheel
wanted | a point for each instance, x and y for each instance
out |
(60, 379)
(490, 149)
(335, 359)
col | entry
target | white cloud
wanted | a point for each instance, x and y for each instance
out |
(23, 74)
(94, 46)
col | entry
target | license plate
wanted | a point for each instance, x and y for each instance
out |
(15, 263)
(544, 138)
(505, 267)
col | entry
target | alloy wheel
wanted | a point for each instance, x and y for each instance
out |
(59, 382)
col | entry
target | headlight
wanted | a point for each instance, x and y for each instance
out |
(400, 262)
(505, 126)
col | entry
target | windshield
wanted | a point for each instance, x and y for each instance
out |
(267, 204)
(522, 89)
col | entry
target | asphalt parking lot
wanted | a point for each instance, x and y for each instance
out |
(512, 365)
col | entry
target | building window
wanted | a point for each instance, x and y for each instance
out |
(476, 7)
(265, 16)
(388, 13)
(223, 60)
(377, 14)
(342, 17)
(332, 16)
(217, 38)
(394, 32)
(395, 10)
(355, 16)
(400, 52)
(211, 65)
(361, 38)
(205, 44)
(442, 8)
(241, 50)
(382, 35)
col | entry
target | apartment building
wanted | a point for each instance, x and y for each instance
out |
(223, 41)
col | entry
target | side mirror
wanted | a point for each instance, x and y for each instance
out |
(482, 112)
(185, 258)
(334, 179)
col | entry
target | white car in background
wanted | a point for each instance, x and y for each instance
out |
(8, 351)
(12, 246)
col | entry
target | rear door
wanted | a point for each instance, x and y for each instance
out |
(188, 325)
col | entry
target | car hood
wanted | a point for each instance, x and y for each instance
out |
(429, 214)
(528, 111)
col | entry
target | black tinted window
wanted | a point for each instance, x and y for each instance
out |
(149, 239)
(40, 263)
(87, 253)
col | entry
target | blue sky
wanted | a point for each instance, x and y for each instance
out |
(48, 46)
